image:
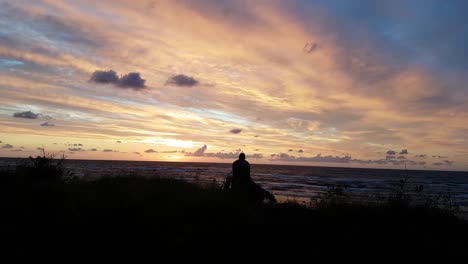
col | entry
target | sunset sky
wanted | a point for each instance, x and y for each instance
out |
(334, 83)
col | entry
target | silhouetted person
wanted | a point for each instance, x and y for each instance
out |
(240, 172)
(242, 184)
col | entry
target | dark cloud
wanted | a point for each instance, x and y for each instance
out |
(235, 131)
(107, 150)
(222, 155)
(420, 156)
(448, 162)
(150, 151)
(255, 156)
(75, 149)
(136, 152)
(445, 162)
(93, 149)
(26, 114)
(199, 152)
(182, 80)
(394, 162)
(169, 151)
(118, 141)
(317, 158)
(345, 159)
(104, 77)
(16, 150)
(47, 124)
(290, 150)
(300, 151)
(329, 158)
(391, 152)
(379, 162)
(404, 152)
(309, 47)
(386, 161)
(132, 80)
(7, 146)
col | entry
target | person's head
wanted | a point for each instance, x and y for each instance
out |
(242, 156)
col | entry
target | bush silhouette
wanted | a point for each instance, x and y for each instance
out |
(44, 167)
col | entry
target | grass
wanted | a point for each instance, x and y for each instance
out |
(46, 211)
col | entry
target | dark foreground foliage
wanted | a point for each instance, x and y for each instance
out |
(135, 217)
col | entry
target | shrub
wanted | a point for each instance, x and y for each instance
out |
(45, 166)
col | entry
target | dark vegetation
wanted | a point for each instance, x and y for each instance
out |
(47, 212)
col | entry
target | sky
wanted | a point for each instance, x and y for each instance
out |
(369, 83)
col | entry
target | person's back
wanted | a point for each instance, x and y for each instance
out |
(242, 184)
(241, 170)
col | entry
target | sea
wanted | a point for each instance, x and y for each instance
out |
(303, 184)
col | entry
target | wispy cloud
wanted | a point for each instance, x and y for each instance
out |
(444, 163)
(326, 88)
